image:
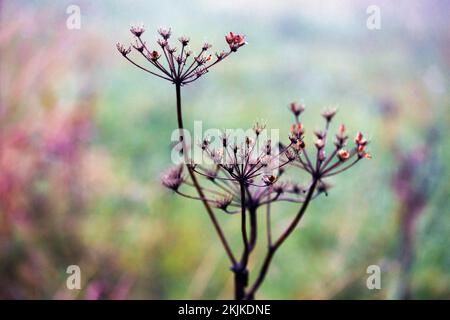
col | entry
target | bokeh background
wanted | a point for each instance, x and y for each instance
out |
(85, 135)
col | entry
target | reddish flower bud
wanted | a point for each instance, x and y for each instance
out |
(235, 41)
(343, 154)
(154, 55)
(342, 130)
(359, 139)
(297, 130)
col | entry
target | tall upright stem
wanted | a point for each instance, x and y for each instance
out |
(273, 248)
(195, 182)
(240, 270)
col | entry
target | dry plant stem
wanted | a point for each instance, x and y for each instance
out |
(240, 270)
(273, 248)
(195, 182)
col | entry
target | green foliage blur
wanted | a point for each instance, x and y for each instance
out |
(85, 136)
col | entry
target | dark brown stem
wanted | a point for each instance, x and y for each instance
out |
(195, 182)
(240, 270)
(244, 259)
(253, 228)
(272, 249)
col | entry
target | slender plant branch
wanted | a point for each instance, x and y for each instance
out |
(273, 248)
(195, 182)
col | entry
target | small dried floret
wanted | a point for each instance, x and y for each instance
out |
(137, 30)
(162, 43)
(184, 40)
(224, 202)
(299, 145)
(200, 71)
(321, 155)
(359, 139)
(269, 179)
(154, 55)
(206, 46)
(220, 55)
(343, 154)
(296, 188)
(329, 114)
(259, 127)
(123, 50)
(139, 46)
(290, 155)
(320, 134)
(320, 144)
(173, 177)
(297, 130)
(296, 108)
(235, 41)
(170, 49)
(202, 59)
(280, 187)
(165, 33)
(216, 155)
(323, 187)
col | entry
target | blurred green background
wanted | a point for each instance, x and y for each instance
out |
(85, 135)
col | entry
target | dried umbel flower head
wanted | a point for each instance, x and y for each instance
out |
(177, 67)
(324, 166)
(246, 179)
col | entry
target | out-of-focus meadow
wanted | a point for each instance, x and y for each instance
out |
(85, 135)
